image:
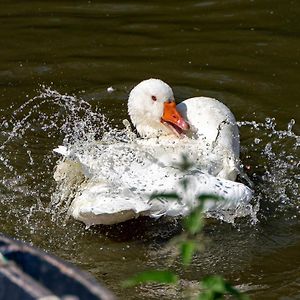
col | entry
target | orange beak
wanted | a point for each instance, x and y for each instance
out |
(172, 117)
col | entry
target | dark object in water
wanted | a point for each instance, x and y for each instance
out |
(27, 273)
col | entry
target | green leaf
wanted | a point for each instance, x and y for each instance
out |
(184, 182)
(185, 164)
(216, 287)
(169, 196)
(157, 276)
(187, 252)
(235, 292)
(205, 197)
(214, 283)
(208, 295)
(194, 222)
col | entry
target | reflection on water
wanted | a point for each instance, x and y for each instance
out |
(245, 53)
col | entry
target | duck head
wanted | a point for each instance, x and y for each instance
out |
(152, 109)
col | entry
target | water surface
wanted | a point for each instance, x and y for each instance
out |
(245, 53)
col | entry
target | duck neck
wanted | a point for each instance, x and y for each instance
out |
(150, 129)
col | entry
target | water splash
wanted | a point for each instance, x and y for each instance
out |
(28, 137)
(270, 155)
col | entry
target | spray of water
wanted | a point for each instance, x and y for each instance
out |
(270, 155)
(28, 137)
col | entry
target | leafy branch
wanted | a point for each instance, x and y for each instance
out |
(154, 276)
(212, 287)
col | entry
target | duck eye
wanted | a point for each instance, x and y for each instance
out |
(154, 98)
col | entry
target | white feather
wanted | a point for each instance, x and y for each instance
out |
(120, 177)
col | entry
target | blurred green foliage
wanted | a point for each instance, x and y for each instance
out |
(211, 287)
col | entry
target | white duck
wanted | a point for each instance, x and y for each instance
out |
(117, 179)
(153, 111)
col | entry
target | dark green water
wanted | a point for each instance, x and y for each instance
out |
(245, 53)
